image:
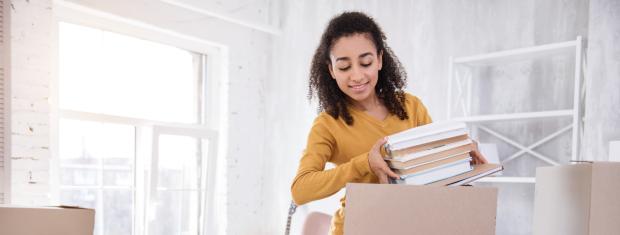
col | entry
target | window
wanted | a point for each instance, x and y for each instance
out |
(131, 139)
(109, 73)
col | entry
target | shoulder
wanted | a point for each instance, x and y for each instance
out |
(323, 122)
(416, 109)
(412, 102)
(322, 129)
(324, 119)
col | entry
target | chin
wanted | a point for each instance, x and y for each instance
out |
(359, 96)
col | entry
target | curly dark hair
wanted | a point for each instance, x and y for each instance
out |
(392, 76)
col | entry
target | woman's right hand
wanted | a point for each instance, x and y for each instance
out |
(378, 165)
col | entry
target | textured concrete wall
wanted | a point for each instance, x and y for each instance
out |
(423, 34)
(602, 113)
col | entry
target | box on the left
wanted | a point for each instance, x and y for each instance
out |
(59, 220)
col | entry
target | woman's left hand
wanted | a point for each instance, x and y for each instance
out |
(476, 156)
(378, 166)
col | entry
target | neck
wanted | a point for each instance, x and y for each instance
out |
(370, 103)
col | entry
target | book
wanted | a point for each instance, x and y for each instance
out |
(436, 174)
(433, 164)
(427, 146)
(422, 140)
(436, 154)
(478, 171)
(425, 134)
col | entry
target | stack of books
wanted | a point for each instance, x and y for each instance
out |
(435, 154)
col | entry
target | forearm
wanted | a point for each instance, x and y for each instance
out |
(312, 184)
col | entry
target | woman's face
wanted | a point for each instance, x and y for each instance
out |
(355, 65)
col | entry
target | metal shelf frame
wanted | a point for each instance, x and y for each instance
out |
(462, 100)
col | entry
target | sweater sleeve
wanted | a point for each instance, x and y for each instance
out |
(312, 182)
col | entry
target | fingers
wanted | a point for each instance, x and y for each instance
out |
(382, 141)
(391, 174)
(477, 157)
(379, 143)
(383, 179)
(474, 157)
(377, 163)
(481, 159)
(385, 173)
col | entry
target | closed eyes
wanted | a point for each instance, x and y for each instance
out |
(348, 67)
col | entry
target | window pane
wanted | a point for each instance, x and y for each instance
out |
(77, 149)
(86, 198)
(179, 162)
(177, 212)
(179, 201)
(118, 212)
(79, 176)
(117, 209)
(105, 72)
(99, 155)
(88, 149)
(121, 176)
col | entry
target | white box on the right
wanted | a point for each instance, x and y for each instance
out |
(580, 199)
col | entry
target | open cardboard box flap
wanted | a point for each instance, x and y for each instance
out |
(410, 209)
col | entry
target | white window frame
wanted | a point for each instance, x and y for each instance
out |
(207, 173)
(214, 90)
(147, 194)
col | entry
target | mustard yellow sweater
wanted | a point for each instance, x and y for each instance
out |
(332, 140)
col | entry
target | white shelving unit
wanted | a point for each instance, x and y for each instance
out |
(462, 83)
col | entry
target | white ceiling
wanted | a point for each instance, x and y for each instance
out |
(262, 15)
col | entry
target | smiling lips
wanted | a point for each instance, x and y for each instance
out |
(359, 87)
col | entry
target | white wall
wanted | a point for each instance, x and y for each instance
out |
(602, 113)
(32, 48)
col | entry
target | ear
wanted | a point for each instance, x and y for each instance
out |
(331, 70)
(380, 57)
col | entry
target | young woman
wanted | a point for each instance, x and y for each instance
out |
(359, 83)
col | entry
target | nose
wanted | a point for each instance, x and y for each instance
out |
(356, 74)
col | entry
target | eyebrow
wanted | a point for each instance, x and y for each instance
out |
(347, 58)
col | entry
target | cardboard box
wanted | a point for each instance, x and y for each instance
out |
(17, 220)
(578, 199)
(411, 209)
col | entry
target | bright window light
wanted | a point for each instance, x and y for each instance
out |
(110, 73)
